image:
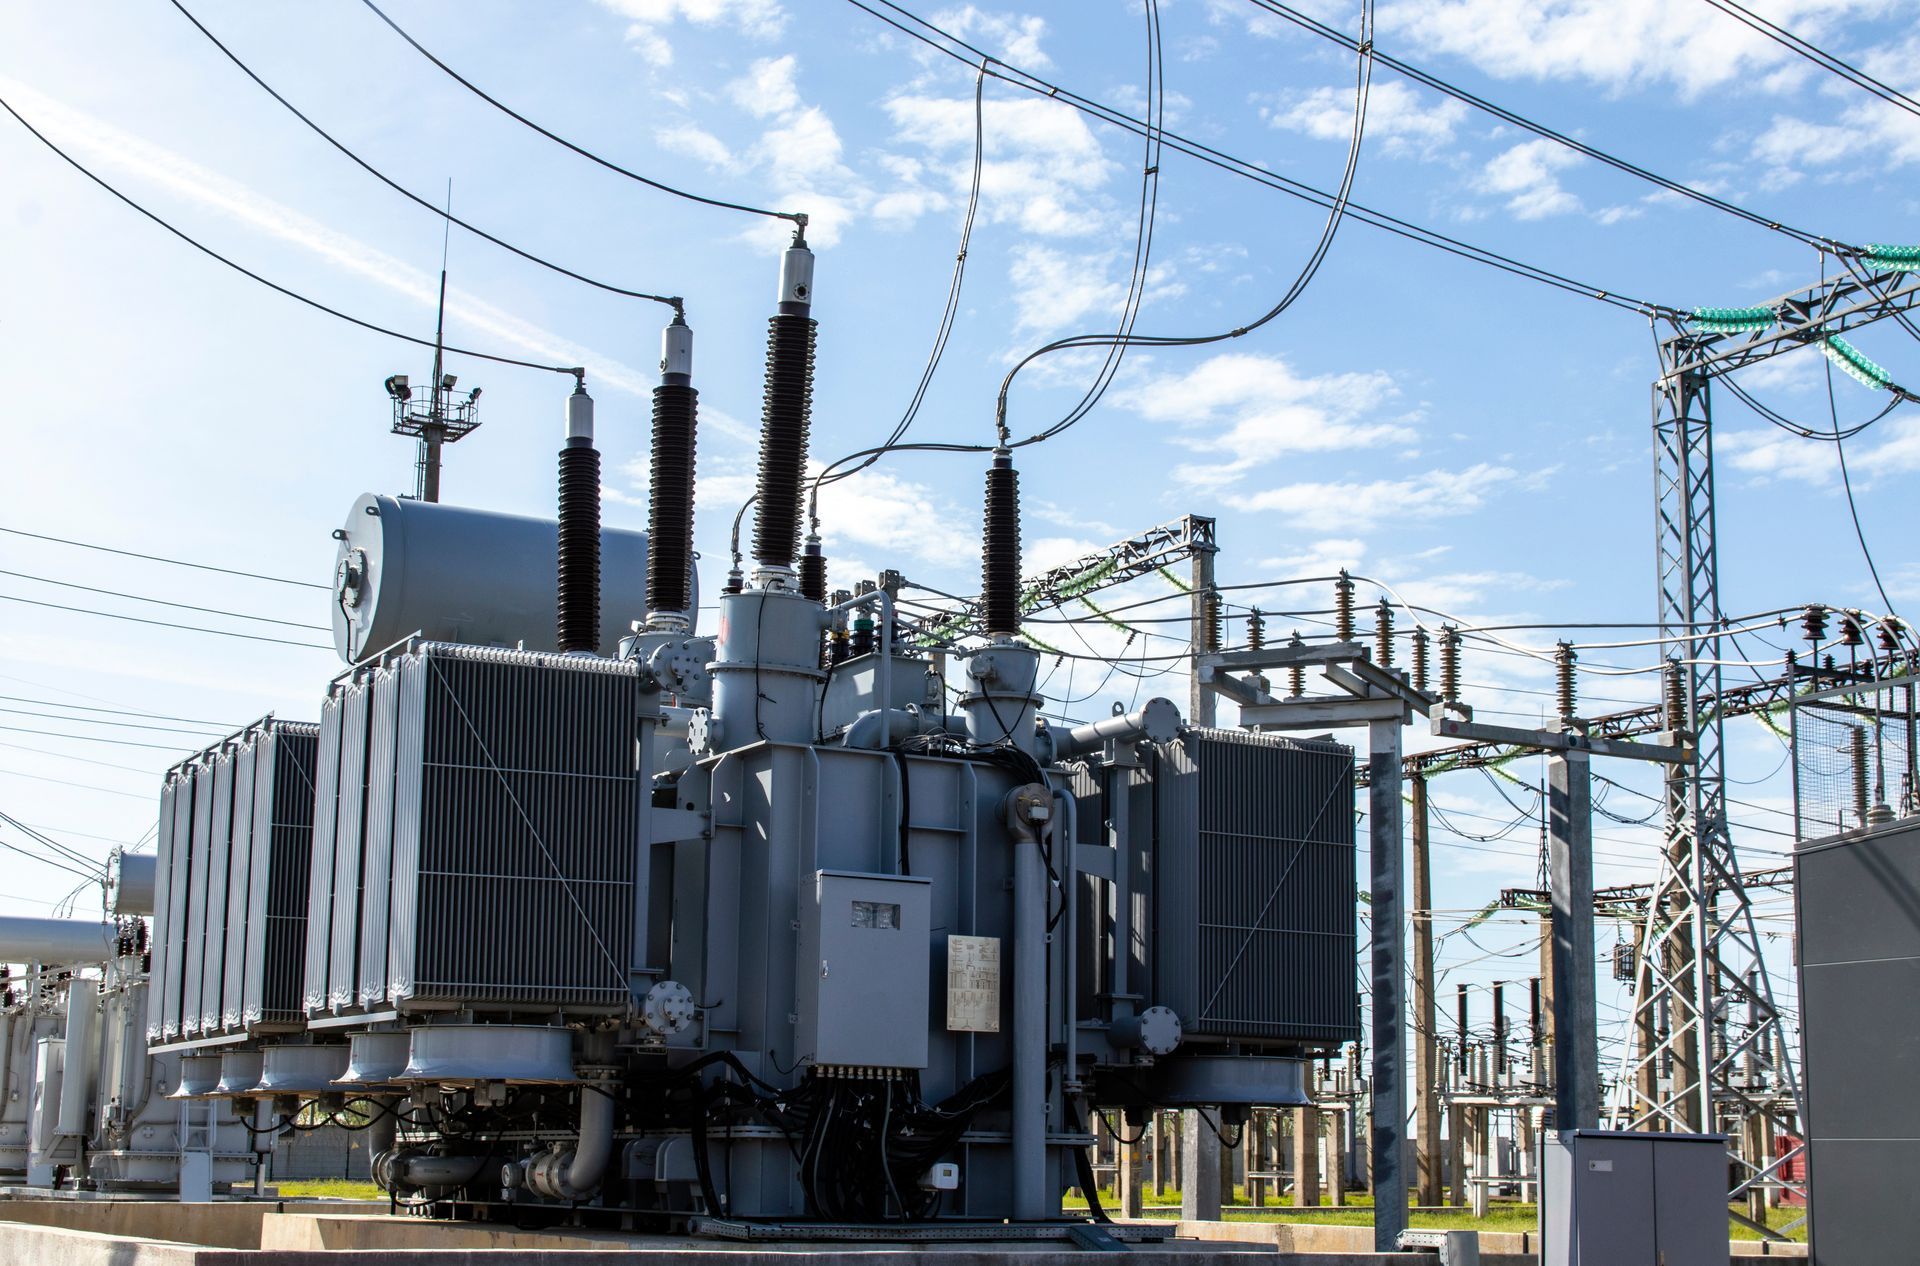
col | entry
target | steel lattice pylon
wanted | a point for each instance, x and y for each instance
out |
(1699, 960)
(1702, 999)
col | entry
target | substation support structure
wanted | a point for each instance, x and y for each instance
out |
(1383, 701)
(1699, 955)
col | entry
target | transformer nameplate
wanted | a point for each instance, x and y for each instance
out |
(973, 984)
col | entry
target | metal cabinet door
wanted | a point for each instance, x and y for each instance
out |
(1613, 1222)
(1689, 1202)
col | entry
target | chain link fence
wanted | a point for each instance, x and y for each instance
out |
(1854, 756)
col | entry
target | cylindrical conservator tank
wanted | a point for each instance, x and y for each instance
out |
(130, 882)
(455, 574)
(56, 942)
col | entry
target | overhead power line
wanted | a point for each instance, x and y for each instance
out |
(248, 273)
(118, 725)
(950, 45)
(1818, 56)
(120, 712)
(447, 215)
(165, 624)
(1538, 129)
(796, 217)
(157, 558)
(101, 738)
(162, 602)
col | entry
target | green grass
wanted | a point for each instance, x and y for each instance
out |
(331, 1189)
(1502, 1215)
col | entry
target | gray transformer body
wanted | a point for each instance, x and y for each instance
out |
(454, 574)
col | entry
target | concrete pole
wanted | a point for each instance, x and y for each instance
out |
(1199, 1169)
(1426, 1045)
(1200, 699)
(1387, 856)
(1457, 1154)
(1130, 1174)
(1570, 867)
(1337, 1158)
(1306, 1158)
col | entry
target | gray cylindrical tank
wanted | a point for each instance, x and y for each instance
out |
(130, 879)
(456, 574)
(58, 942)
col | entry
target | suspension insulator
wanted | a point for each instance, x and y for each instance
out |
(1000, 558)
(1343, 608)
(1296, 673)
(813, 570)
(786, 414)
(578, 623)
(1449, 663)
(670, 500)
(1383, 634)
(1420, 652)
(1564, 689)
(1256, 630)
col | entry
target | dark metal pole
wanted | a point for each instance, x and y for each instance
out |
(1387, 855)
(1570, 863)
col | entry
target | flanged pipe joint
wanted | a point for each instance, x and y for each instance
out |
(573, 1173)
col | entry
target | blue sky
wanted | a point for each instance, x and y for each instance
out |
(1479, 442)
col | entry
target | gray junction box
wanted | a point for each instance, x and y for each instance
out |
(862, 972)
(1625, 1198)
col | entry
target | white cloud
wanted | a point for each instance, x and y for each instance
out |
(1432, 494)
(767, 87)
(1619, 44)
(1767, 455)
(756, 19)
(1043, 165)
(1399, 118)
(1867, 130)
(1525, 176)
(1250, 408)
(1017, 35)
(1321, 558)
(1053, 290)
(696, 143)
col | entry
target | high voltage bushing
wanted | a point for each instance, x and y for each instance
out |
(670, 479)
(1857, 756)
(1449, 663)
(1343, 608)
(1383, 634)
(786, 413)
(1212, 623)
(813, 570)
(1564, 688)
(1296, 673)
(1420, 648)
(577, 619)
(1256, 630)
(1000, 559)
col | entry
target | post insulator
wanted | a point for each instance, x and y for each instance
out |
(1420, 653)
(1212, 623)
(1449, 663)
(1383, 634)
(1814, 623)
(1563, 680)
(1296, 672)
(1256, 630)
(1343, 608)
(1674, 690)
(1850, 634)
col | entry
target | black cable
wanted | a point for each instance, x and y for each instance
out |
(48, 841)
(1244, 168)
(156, 558)
(244, 271)
(151, 716)
(1538, 129)
(383, 178)
(119, 725)
(1853, 509)
(162, 602)
(1818, 56)
(47, 861)
(191, 628)
(510, 112)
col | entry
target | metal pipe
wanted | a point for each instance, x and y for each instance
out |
(1025, 811)
(1157, 720)
(55, 941)
(881, 727)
